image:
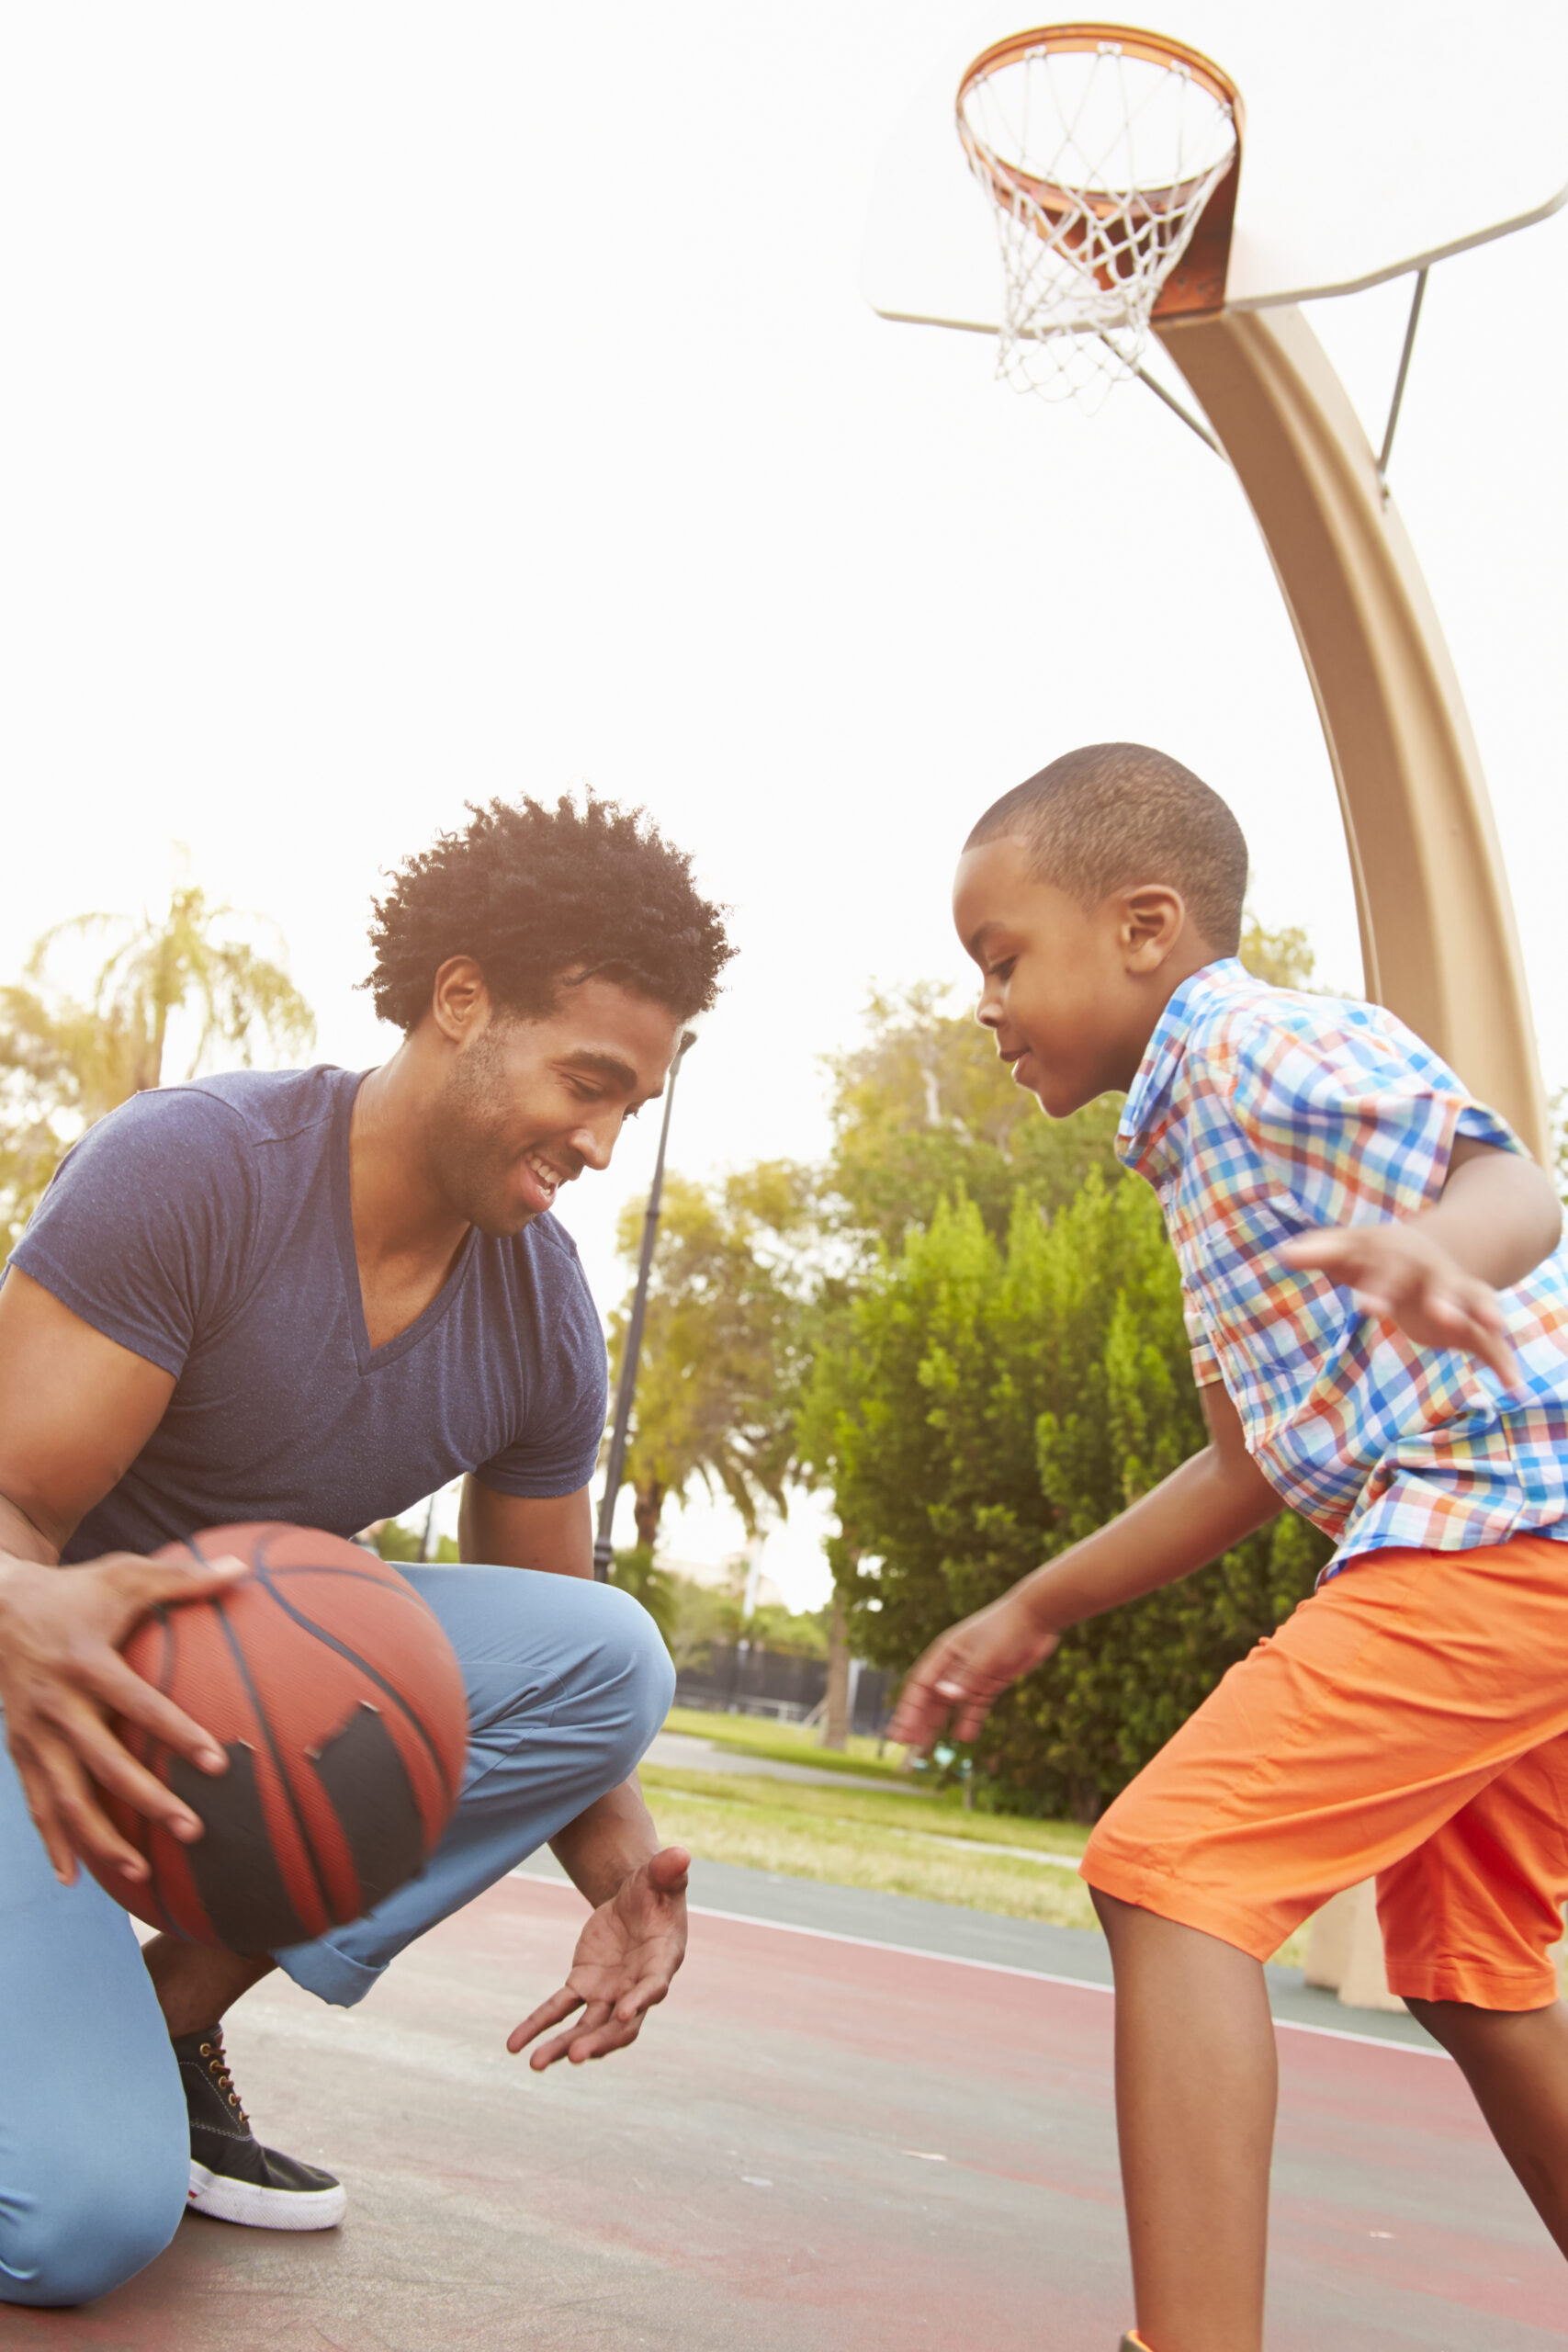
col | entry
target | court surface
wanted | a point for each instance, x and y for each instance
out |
(820, 2143)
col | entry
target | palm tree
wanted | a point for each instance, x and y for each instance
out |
(66, 1061)
(719, 1356)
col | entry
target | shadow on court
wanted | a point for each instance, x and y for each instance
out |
(819, 2144)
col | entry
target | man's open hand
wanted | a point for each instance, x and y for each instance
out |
(625, 1964)
(1405, 1276)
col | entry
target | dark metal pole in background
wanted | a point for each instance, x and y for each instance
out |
(625, 1387)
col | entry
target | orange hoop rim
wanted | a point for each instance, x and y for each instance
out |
(1006, 180)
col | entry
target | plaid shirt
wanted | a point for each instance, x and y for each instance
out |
(1258, 1113)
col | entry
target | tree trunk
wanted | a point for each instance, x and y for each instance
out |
(649, 1503)
(836, 1722)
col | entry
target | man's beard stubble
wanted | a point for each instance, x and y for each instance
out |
(469, 1162)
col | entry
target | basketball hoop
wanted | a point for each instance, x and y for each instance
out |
(1112, 157)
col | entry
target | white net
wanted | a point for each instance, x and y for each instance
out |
(1100, 163)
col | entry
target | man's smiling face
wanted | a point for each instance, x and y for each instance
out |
(527, 1105)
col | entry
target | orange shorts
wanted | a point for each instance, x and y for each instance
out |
(1408, 1723)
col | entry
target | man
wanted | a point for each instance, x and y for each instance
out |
(317, 1296)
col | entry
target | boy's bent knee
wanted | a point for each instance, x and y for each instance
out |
(72, 2247)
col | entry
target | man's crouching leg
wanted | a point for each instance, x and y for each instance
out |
(94, 2159)
(568, 1682)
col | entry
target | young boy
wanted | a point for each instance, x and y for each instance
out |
(1378, 1304)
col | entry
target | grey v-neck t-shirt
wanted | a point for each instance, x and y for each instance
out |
(207, 1227)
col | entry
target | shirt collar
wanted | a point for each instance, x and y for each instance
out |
(1147, 1113)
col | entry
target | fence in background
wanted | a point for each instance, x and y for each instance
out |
(741, 1678)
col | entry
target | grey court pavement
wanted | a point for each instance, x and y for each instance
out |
(861, 2123)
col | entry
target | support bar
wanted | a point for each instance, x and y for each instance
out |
(1439, 944)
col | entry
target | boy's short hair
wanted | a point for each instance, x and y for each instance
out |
(534, 893)
(1112, 814)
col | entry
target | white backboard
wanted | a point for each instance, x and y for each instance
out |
(1381, 135)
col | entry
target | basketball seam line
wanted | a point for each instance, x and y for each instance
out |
(278, 1765)
(151, 1743)
(264, 1577)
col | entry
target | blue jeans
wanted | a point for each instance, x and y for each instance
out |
(568, 1682)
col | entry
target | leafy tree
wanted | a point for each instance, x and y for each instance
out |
(65, 1059)
(398, 1542)
(924, 1107)
(1285, 958)
(701, 1614)
(635, 1572)
(721, 1347)
(993, 1403)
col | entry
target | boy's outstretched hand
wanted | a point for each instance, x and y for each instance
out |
(970, 1666)
(1404, 1275)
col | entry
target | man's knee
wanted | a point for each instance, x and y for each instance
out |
(644, 1675)
(87, 2238)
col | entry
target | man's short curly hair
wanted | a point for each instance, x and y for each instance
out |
(534, 893)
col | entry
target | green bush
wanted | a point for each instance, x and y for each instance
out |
(992, 1404)
(400, 1543)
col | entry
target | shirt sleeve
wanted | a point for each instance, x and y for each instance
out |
(1205, 1362)
(140, 1232)
(1356, 1119)
(556, 1451)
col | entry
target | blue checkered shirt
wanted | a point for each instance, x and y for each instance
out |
(1258, 1113)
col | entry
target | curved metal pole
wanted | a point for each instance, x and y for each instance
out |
(1437, 938)
(625, 1387)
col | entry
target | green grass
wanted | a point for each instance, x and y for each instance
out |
(898, 1845)
(869, 1808)
(883, 1843)
(784, 1743)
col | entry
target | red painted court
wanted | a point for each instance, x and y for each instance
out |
(819, 2144)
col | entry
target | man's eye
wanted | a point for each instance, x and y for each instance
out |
(1000, 971)
(630, 1113)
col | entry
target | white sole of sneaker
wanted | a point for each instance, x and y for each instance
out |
(265, 2209)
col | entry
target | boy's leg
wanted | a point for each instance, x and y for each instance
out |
(568, 1682)
(95, 2154)
(1195, 2089)
(1379, 1710)
(1496, 2012)
(1515, 2061)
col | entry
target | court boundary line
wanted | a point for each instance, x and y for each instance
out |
(996, 1967)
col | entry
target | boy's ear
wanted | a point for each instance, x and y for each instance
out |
(1150, 920)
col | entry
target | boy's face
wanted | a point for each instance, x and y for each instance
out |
(1071, 993)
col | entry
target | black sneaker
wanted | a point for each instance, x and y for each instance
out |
(232, 2176)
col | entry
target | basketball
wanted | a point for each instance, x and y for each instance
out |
(336, 1697)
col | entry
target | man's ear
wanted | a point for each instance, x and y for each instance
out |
(459, 1000)
(1150, 920)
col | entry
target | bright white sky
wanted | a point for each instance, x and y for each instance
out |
(410, 404)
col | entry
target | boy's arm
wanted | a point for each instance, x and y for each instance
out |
(1201, 1510)
(1436, 1276)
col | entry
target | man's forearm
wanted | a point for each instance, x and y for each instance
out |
(603, 1846)
(1211, 1502)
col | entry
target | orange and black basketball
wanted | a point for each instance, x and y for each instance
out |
(336, 1695)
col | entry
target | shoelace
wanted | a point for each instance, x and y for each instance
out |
(218, 2067)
